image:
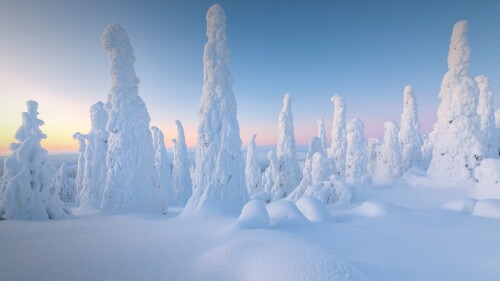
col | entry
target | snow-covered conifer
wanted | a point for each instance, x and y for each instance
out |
(497, 122)
(289, 171)
(322, 133)
(82, 146)
(317, 166)
(65, 182)
(271, 173)
(163, 165)
(487, 117)
(389, 157)
(409, 136)
(219, 178)
(94, 178)
(252, 169)
(181, 175)
(457, 148)
(356, 152)
(131, 182)
(372, 154)
(337, 152)
(28, 185)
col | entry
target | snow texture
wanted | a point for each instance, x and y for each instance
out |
(131, 182)
(409, 136)
(337, 152)
(252, 169)
(65, 182)
(289, 171)
(458, 147)
(95, 171)
(488, 173)
(487, 117)
(322, 133)
(28, 184)
(356, 155)
(219, 179)
(181, 175)
(389, 157)
(163, 166)
(313, 209)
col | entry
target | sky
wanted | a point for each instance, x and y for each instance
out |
(366, 51)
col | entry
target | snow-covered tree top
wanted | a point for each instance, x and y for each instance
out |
(286, 138)
(216, 22)
(251, 143)
(355, 125)
(338, 103)
(459, 54)
(81, 141)
(31, 123)
(158, 137)
(98, 116)
(116, 41)
(391, 131)
(409, 99)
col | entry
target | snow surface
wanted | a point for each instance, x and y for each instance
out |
(391, 232)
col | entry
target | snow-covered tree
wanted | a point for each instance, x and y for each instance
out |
(322, 133)
(337, 152)
(219, 178)
(65, 182)
(458, 145)
(316, 167)
(163, 166)
(94, 178)
(289, 171)
(427, 147)
(131, 182)
(271, 173)
(372, 154)
(497, 122)
(181, 175)
(252, 169)
(82, 146)
(388, 165)
(356, 156)
(28, 185)
(409, 136)
(487, 117)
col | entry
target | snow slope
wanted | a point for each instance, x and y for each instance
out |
(391, 232)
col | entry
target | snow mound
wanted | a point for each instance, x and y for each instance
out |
(375, 209)
(285, 211)
(254, 215)
(489, 208)
(415, 177)
(313, 209)
(465, 205)
(274, 258)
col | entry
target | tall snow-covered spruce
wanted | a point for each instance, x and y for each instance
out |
(458, 147)
(289, 171)
(356, 157)
(131, 183)
(409, 136)
(94, 178)
(162, 165)
(80, 172)
(388, 167)
(487, 117)
(322, 133)
(181, 176)
(337, 152)
(219, 178)
(253, 173)
(28, 183)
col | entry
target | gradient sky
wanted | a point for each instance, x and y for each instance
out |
(366, 51)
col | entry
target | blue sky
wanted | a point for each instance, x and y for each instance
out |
(366, 51)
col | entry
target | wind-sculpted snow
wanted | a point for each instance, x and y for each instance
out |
(410, 140)
(131, 183)
(219, 178)
(181, 175)
(337, 152)
(458, 147)
(28, 190)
